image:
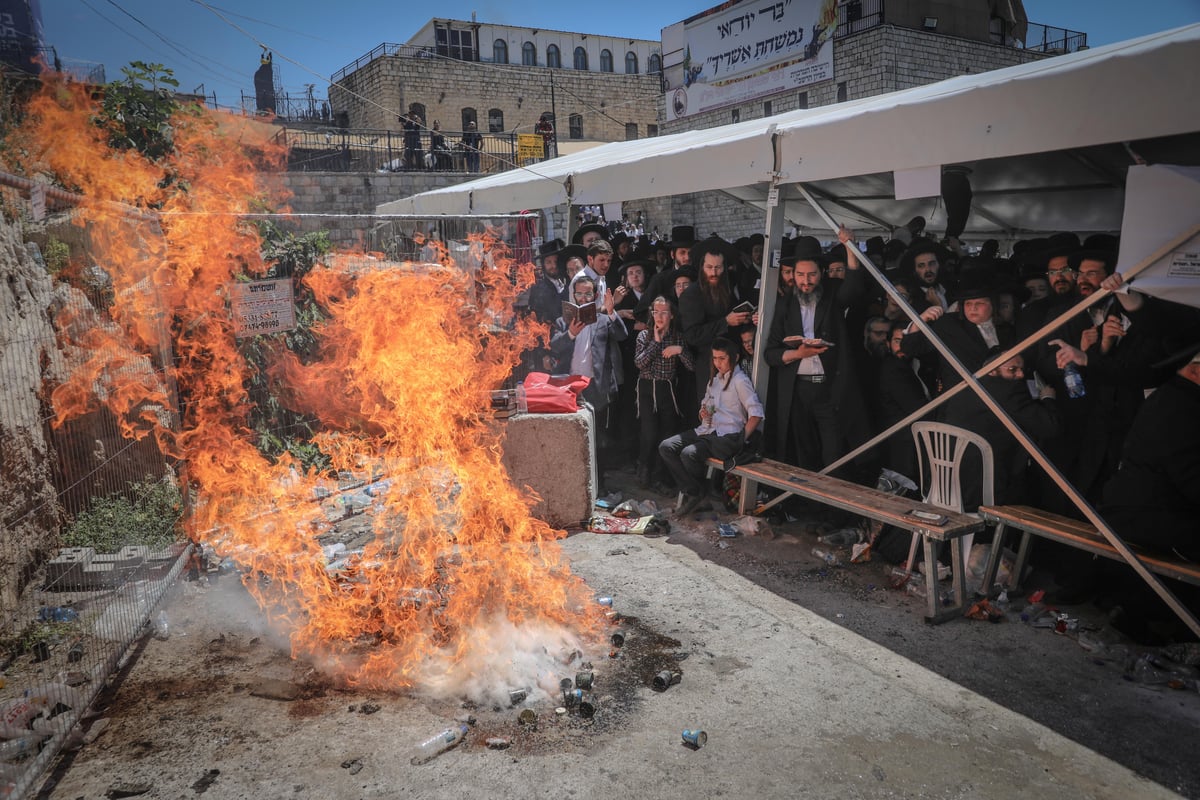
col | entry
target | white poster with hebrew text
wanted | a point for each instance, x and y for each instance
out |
(746, 49)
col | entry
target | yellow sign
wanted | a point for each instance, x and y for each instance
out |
(529, 145)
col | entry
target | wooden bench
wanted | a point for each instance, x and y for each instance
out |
(1082, 535)
(888, 508)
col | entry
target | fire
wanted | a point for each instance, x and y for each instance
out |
(460, 590)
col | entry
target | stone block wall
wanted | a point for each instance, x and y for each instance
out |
(374, 95)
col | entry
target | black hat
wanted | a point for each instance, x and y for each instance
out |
(1107, 257)
(805, 248)
(621, 236)
(733, 256)
(976, 284)
(577, 238)
(874, 247)
(549, 248)
(646, 264)
(682, 236)
(572, 251)
(836, 254)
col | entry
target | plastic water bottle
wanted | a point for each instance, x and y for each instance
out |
(826, 556)
(162, 626)
(522, 398)
(1074, 381)
(434, 746)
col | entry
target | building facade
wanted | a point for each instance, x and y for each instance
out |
(504, 78)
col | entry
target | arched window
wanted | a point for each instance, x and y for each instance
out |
(500, 51)
(575, 121)
(495, 120)
(606, 61)
(631, 63)
(654, 64)
(469, 116)
(580, 58)
(553, 59)
(528, 55)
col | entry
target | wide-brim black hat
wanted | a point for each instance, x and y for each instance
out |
(552, 247)
(646, 264)
(572, 251)
(976, 284)
(733, 256)
(1107, 257)
(682, 236)
(577, 237)
(804, 248)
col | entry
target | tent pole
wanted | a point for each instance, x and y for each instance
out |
(768, 284)
(1080, 502)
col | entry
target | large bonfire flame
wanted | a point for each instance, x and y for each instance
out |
(461, 590)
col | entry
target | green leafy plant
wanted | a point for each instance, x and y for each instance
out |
(57, 255)
(280, 430)
(137, 110)
(146, 514)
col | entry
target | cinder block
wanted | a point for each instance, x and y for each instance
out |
(64, 572)
(554, 454)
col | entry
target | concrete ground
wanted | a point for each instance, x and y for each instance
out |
(794, 705)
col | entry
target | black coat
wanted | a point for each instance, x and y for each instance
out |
(829, 323)
(964, 340)
(1154, 497)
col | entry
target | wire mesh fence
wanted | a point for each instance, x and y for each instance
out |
(89, 541)
(371, 150)
(91, 515)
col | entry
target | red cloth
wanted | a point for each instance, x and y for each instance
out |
(557, 394)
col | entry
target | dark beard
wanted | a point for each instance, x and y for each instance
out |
(809, 300)
(717, 297)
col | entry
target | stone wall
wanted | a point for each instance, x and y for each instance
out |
(376, 94)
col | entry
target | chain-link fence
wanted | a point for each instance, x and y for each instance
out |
(89, 541)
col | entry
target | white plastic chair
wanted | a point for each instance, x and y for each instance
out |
(941, 449)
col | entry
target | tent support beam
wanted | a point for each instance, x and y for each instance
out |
(972, 381)
(850, 207)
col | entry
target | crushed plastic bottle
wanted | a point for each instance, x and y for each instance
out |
(434, 746)
(162, 626)
(1074, 381)
(841, 537)
(522, 398)
(829, 558)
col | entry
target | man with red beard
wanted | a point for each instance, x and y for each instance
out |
(821, 410)
(705, 307)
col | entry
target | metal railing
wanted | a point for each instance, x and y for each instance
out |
(1049, 39)
(385, 49)
(379, 150)
(857, 16)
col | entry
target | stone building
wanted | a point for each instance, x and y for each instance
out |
(504, 78)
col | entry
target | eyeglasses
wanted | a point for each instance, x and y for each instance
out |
(1063, 271)
(1093, 274)
(585, 295)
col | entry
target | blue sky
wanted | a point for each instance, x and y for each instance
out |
(313, 40)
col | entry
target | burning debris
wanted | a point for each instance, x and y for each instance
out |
(455, 590)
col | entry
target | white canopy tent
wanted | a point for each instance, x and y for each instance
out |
(1042, 140)
(1048, 145)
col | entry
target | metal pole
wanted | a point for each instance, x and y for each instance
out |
(553, 117)
(1019, 434)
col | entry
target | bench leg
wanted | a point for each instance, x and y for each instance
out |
(937, 613)
(1022, 556)
(993, 563)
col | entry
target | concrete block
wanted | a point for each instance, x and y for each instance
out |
(554, 454)
(65, 571)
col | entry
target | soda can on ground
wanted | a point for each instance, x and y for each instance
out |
(695, 737)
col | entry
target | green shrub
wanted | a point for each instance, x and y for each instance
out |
(147, 514)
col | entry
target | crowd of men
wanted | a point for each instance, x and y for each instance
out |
(846, 362)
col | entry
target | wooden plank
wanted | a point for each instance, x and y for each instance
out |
(1083, 536)
(859, 499)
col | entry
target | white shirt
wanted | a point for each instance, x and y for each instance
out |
(811, 365)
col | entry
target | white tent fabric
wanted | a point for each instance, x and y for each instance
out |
(1143, 88)
(1162, 203)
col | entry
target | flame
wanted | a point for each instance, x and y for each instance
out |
(459, 579)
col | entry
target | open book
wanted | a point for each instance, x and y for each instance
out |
(744, 307)
(585, 313)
